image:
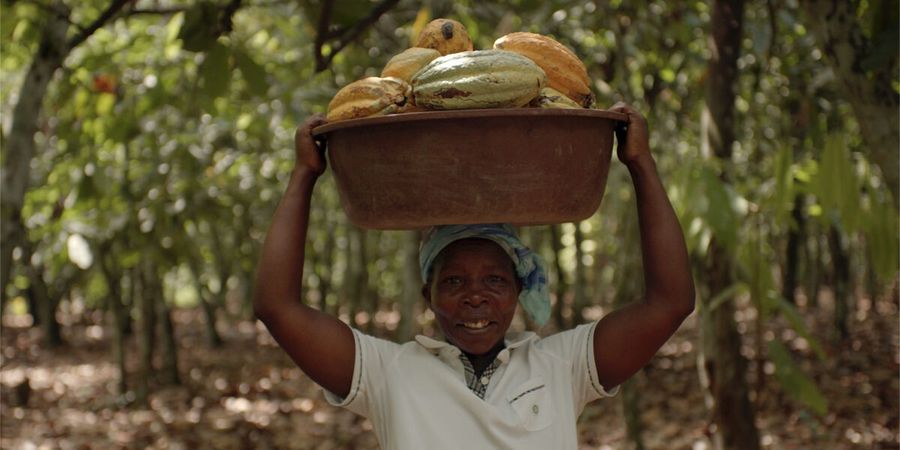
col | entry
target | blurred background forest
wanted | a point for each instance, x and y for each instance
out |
(146, 144)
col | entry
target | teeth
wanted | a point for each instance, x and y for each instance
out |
(476, 325)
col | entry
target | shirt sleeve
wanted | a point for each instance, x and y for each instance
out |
(577, 345)
(371, 354)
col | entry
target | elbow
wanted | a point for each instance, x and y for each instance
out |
(686, 301)
(262, 309)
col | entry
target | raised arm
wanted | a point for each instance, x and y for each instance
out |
(321, 345)
(626, 339)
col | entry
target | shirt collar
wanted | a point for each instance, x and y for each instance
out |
(512, 340)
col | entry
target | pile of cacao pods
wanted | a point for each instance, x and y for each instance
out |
(443, 72)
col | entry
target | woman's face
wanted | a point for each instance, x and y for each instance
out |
(473, 292)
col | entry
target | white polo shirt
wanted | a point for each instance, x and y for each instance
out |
(416, 397)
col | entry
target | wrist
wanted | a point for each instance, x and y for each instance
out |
(304, 174)
(641, 163)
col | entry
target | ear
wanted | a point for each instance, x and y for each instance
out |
(426, 294)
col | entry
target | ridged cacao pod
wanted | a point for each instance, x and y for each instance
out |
(446, 36)
(550, 98)
(565, 71)
(372, 96)
(406, 63)
(478, 79)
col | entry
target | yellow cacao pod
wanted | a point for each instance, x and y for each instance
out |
(372, 96)
(550, 98)
(406, 63)
(446, 36)
(478, 79)
(565, 71)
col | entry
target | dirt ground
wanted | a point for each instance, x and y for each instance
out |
(248, 395)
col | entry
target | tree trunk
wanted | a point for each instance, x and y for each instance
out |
(628, 288)
(147, 326)
(412, 286)
(169, 370)
(841, 263)
(46, 307)
(20, 146)
(865, 79)
(580, 299)
(358, 278)
(722, 362)
(559, 312)
(207, 302)
(796, 236)
(117, 313)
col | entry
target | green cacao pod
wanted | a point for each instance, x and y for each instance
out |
(478, 79)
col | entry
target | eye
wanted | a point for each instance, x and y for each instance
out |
(495, 280)
(452, 280)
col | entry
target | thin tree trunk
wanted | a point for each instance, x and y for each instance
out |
(796, 236)
(580, 299)
(169, 370)
(46, 308)
(627, 291)
(412, 286)
(559, 313)
(20, 146)
(841, 264)
(117, 312)
(147, 326)
(722, 362)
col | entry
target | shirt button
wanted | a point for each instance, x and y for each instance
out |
(485, 380)
(535, 409)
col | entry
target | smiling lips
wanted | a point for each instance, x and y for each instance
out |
(477, 324)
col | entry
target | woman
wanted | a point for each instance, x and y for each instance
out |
(481, 387)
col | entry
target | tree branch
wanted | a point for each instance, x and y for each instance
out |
(114, 7)
(347, 35)
(322, 35)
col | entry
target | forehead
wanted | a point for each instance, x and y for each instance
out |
(483, 250)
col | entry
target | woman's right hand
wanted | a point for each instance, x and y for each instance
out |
(309, 155)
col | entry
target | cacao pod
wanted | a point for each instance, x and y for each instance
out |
(372, 96)
(406, 63)
(478, 79)
(550, 98)
(446, 36)
(565, 71)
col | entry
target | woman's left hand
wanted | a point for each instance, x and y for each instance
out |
(634, 143)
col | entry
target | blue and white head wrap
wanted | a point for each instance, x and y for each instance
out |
(530, 269)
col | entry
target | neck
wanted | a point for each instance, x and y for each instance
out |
(481, 362)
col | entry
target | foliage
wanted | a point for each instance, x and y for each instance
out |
(167, 137)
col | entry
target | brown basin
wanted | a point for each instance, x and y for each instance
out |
(523, 166)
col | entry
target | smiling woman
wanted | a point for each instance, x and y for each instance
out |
(473, 294)
(480, 386)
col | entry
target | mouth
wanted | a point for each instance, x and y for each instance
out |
(476, 325)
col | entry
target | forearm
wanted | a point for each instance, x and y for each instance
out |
(279, 278)
(667, 275)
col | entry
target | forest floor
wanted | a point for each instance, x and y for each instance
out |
(248, 395)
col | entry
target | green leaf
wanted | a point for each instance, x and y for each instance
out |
(215, 71)
(720, 211)
(783, 200)
(253, 73)
(882, 239)
(836, 184)
(794, 381)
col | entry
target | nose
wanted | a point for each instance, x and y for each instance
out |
(475, 296)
